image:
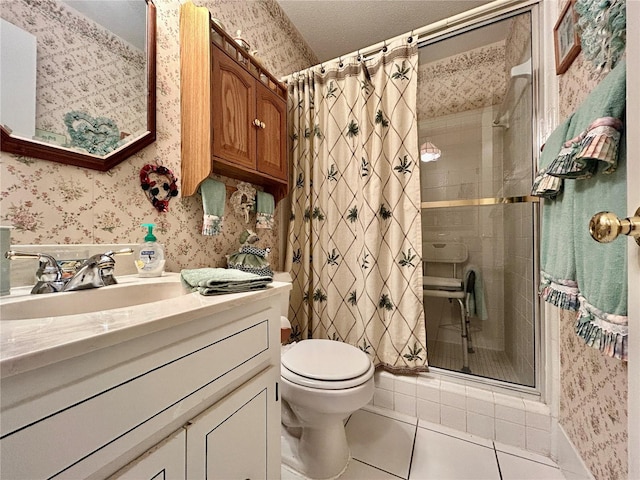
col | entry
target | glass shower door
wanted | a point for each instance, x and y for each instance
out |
(475, 108)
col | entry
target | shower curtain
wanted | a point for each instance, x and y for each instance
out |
(354, 237)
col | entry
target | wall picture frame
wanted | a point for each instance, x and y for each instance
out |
(566, 38)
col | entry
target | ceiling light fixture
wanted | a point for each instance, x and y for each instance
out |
(429, 152)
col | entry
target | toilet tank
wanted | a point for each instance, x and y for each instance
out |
(283, 277)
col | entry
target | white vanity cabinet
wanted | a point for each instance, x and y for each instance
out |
(235, 438)
(191, 394)
(164, 461)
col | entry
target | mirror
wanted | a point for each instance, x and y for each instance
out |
(74, 89)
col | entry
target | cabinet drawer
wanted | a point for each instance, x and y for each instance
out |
(76, 440)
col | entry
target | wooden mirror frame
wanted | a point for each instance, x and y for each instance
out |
(30, 148)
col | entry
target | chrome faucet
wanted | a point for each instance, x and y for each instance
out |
(95, 272)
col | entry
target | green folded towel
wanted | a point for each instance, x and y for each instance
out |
(265, 206)
(216, 281)
(214, 196)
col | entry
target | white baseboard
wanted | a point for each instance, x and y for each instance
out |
(569, 461)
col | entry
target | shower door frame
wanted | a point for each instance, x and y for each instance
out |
(437, 34)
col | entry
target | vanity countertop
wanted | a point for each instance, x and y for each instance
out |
(27, 344)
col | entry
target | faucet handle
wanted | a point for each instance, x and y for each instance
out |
(49, 274)
(106, 264)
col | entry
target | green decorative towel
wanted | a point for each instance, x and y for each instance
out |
(217, 281)
(214, 195)
(573, 264)
(265, 206)
(557, 256)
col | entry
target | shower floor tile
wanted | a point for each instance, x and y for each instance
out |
(484, 362)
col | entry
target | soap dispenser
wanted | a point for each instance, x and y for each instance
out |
(150, 261)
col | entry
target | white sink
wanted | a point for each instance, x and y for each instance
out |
(128, 292)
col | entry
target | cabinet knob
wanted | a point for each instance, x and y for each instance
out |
(256, 123)
(262, 125)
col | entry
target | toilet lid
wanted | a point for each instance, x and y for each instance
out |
(326, 361)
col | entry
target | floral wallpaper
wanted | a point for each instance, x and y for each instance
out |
(594, 388)
(51, 203)
(470, 80)
(81, 66)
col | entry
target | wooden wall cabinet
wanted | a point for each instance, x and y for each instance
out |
(233, 111)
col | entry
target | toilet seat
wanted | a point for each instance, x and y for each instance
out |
(326, 364)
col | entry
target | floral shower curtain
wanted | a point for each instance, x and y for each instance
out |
(355, 235)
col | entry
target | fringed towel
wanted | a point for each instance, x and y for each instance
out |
(265, 206)
(214, 196)
(218, 281)
(557, 255)
(577, 272)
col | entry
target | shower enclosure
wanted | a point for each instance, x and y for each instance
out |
(476, 109)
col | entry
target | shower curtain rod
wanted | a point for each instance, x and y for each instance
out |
(483, 12)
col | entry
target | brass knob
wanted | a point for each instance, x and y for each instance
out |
(605, 227)
(256, 123)
(262, 125)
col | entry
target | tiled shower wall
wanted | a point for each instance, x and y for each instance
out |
(470, 167)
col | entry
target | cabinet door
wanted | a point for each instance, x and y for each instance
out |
(272, 138)
(165, 461)
(238, 437)
(234, 111)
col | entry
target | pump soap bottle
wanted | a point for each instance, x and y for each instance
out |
(150, 262)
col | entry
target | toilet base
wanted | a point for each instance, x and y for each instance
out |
(319, 454)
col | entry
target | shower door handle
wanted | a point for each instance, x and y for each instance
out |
(605, 227)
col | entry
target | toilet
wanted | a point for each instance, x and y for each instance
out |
(322, 383)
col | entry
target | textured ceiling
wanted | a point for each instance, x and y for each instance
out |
(337, 27)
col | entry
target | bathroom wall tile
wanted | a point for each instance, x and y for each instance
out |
(509, 408)
(427, 410)
(536, 407)
(538, 440)
(480, 401)
(510, 433)
(385, 412)
(384, 380)
(405, 385)
(453, 395)
(383, 398)
(405, 404)
(429, 390)
(454, 418)
(538, 421)
(480, 425)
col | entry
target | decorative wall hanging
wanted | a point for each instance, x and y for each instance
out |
(152, 187)
(566, 38)
(243, 200)
(603, 31)
(98, 136)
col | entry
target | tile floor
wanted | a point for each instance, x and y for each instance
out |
(388, 445)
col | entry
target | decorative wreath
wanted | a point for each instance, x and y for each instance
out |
(152, 189)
